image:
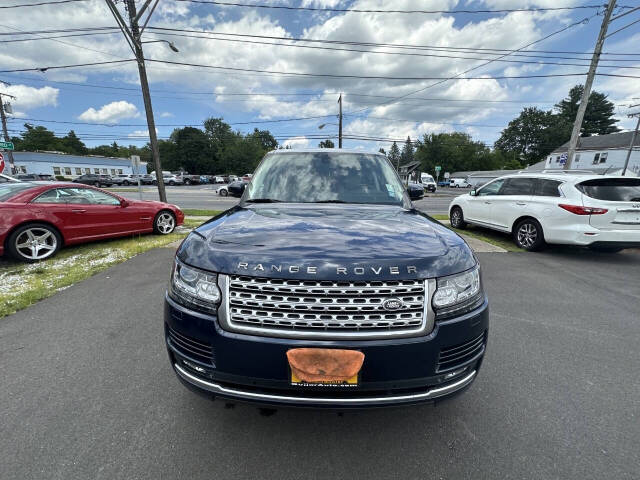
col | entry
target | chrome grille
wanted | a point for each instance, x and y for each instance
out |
(312, 309)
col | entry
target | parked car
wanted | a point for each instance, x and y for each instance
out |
(36, 220)
(443, 183)
(128, 179)
(187, 179)
(169, 180)
(428, 182)
(35, 177)
(600, 212)
(147, 179)
(459, 183)
(247, 177)
(204, 179)
(94, 179)
(340, 296)
(218, 179)
(223, 190)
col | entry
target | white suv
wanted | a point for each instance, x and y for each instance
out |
(600, 212)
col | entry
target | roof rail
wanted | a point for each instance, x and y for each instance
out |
(569, 172)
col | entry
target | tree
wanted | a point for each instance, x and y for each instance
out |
(534, 134)
(407, 152)
(72, 144)
(381, 150)
(192, 152)
(267, 141)
(598, 117)
(326, 144)
(455, 152)
(38, 138)
(394, 155)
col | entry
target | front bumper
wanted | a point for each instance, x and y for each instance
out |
(254, 369)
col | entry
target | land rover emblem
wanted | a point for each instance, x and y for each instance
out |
(392, 304)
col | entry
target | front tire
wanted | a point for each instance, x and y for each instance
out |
(528, 235)
(223, 193)
(126, 183)
(164, 223)
(187, 182)
(34, 242)
(456, 218)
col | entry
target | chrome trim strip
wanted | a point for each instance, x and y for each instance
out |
(429, 394)
(425, 327)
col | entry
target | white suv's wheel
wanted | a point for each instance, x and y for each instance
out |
(457, 218)
(528, 235)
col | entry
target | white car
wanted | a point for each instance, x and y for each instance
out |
(222, 190)
(600, 212)
(459, 183)
(428, 182)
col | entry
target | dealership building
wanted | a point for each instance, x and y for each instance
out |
(71, 166)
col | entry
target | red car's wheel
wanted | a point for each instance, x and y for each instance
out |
(164, 223)
(34, 242)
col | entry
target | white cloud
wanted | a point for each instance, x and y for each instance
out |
(166, 115)
(142, 134)
(31, 97)
(110, 113)
(296, 142)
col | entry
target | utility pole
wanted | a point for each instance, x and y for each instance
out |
(633, 141)
(577, 125)
(12, 166)
(133, 36)
(340, 123)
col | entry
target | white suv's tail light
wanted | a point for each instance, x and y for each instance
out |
(580, 210)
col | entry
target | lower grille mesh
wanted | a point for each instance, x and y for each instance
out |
(190, 347)
(453, 357)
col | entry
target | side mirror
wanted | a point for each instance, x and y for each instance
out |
(415, 192)
(473, 193)
(124, 203)
(236, 189)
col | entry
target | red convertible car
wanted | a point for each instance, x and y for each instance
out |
(36, 219)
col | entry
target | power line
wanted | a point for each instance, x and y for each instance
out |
(478, 50)
(58, 67)
(356, 10)
(37, 4)
(377, 52)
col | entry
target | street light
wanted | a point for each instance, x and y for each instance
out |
(171, 44)
(320, 127)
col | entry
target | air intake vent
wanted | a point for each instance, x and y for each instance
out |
(454, 357)
(191, 348)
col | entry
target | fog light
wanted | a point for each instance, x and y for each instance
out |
(194, 367)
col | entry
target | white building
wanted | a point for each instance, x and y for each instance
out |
(71, 166)
(599, 153)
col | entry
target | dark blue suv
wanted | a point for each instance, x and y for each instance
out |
(324, 287)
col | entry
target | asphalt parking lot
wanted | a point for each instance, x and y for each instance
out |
(88, 392)
(204, 197)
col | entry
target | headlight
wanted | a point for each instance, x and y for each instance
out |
(458, 294)
(194, 288)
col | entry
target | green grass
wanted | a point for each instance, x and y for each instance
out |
(440, 217)
(201, 213)
(493, 237)
(22, 284)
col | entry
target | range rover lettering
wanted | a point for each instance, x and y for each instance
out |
(325, 287)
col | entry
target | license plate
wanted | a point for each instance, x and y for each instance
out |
(351, 382)
(628, 217)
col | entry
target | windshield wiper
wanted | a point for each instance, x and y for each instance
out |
(262, 200)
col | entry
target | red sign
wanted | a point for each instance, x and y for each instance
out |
(1, 163)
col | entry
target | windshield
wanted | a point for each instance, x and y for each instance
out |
(8, 190)
(612, 189)
(330, 177)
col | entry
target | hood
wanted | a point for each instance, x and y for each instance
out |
(326, 242)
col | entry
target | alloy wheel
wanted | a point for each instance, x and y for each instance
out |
(36, 243)
(456, 217)
(527, 235)
(165, 223)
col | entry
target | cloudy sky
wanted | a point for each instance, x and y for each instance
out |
(102, 103)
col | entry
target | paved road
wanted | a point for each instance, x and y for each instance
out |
(204, 197)
(87, 391)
